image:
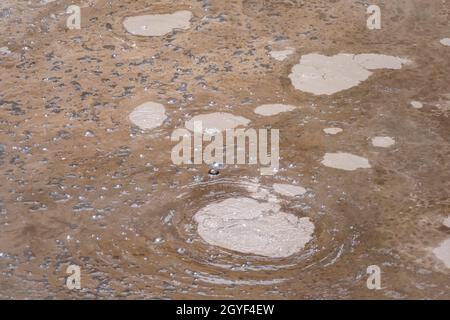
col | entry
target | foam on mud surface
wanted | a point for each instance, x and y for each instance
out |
(252, 227)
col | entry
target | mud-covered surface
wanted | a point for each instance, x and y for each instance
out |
(82, 185)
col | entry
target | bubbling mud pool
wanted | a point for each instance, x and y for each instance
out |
(86, 118)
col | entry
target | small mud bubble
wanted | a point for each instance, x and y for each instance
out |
(213, 172)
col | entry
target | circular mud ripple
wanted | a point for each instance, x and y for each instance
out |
(183, 257)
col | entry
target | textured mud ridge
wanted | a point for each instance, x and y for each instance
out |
(86, 118)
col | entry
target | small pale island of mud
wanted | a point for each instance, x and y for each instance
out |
(252, 227)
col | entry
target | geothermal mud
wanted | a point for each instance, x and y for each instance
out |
(86, 117)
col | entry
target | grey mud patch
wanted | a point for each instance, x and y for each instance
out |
(345, 161)
(273, 109)
(327, 75)
(158, 24)
(248, 226)
(148, 115)
(216, 122)
(289, 189)
(442, 252)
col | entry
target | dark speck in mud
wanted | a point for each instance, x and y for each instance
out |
(13, 107)
(54, 105)
(2, 153)
(5, 13)
(63, 134)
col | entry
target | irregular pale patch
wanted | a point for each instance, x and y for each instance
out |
(289, 190)
(248, 226)
(443, 252)
(383, 142)
(319, 74)
(446, 222)
(345, 161)
(445, 42)
(332, 131)
(281, 54)
(380, 61)
(417, 104)
(148, 115)
(4, 51)
(216, 122)
(158, 24)
(273, 109)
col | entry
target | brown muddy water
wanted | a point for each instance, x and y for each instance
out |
(83, 185)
